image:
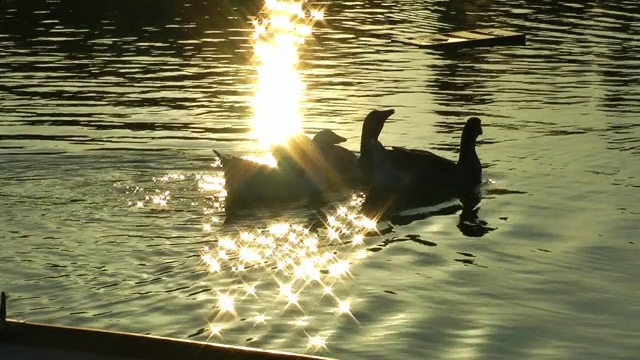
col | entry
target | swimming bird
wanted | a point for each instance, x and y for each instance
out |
(341, 164)
(249, 183)
(330, 166)
(305, 168)
(371, 129)
(403, 178)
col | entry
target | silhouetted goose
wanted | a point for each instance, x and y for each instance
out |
(371, 128)
(330, 166)
(249, 183)
(341, 164)
(305, 167)
(400, 177)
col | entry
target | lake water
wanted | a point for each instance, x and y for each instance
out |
(109, 111)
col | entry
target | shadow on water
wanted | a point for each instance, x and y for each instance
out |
(404, 210)
(469, 222)
(137, 126)
(414, 238)
(620, 88)
(460, 80)
(461, 14)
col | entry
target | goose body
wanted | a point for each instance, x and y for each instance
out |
(305, 167)
(330, 166)
(249, 183)
(341, 164)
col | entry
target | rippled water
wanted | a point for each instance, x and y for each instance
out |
(108, 104)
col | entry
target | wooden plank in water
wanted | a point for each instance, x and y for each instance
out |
(466, 39)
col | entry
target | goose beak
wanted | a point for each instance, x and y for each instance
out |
(339, 139)
(387, 113)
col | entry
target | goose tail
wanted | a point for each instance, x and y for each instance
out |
(219, 154)
(225, 159)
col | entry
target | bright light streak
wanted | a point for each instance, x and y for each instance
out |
(279, 230)
(293, 298)
(266, 159)
(226, 303)
(279, 88)
(338, 269)
(249, 255)
(227, 244)
(358, 239)
(215, 330)
(317, 14)
(344, 306)
(260, 319)
(285, 289)
(251, 290)
(317, 343)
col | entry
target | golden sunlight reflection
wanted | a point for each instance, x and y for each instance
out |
(225, 303)
(278, 91)
(266, 159)
(344, 306)
(210, 183)
(338, 269)
(215, 330)
(260, 319)
(159, 199)
(251, 290)
(293, 299)
(317, 343)
(298, 270)
(358, 239)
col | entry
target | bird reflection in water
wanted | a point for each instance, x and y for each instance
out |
(469, 222)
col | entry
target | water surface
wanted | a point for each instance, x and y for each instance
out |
(109, 111)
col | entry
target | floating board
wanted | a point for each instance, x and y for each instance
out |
(466, 39)
(23, 340)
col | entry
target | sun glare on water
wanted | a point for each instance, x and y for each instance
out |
(287, 270)
(284, 273)
(279, 33)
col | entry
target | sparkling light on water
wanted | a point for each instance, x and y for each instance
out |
(215, 330)
(292, 265)
(317, 343)
(296, 267)
(225, 303)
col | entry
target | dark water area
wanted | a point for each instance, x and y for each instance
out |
(109, 111)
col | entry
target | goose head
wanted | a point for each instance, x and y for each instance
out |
(472, 129)
(327, 137)
(372, 126)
